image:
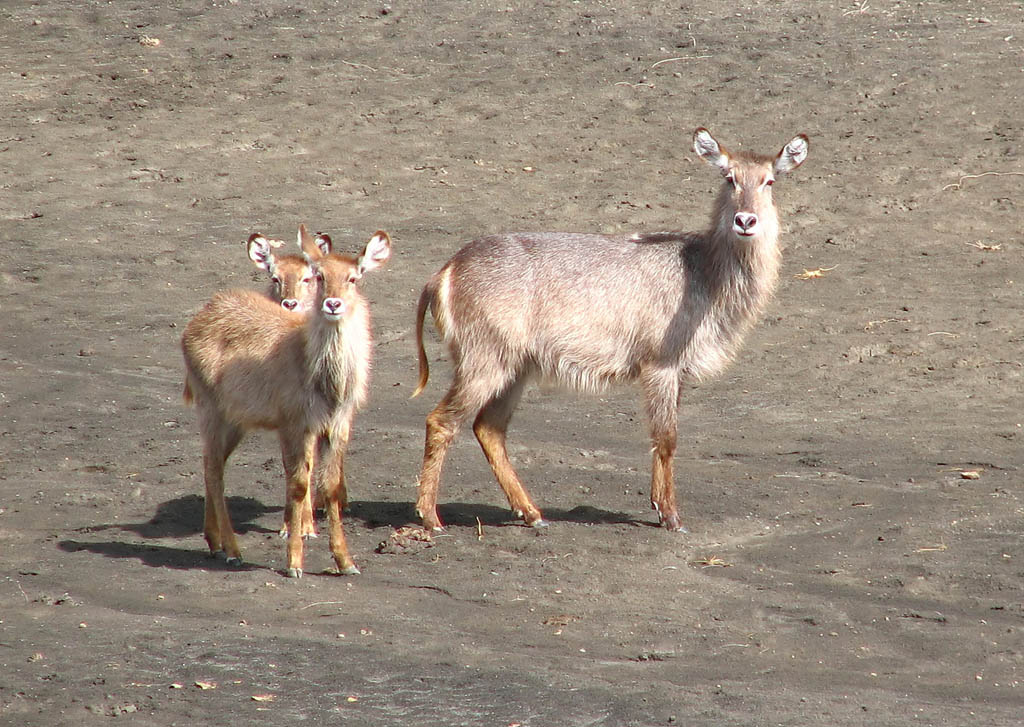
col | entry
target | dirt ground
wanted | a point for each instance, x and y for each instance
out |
(851, 484)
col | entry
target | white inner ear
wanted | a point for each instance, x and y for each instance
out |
(259, 252)
(377, 250)
(797, 149)
(792, 156)
(706, 145)
(709, 150)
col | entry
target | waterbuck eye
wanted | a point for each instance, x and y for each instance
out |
(769, 182)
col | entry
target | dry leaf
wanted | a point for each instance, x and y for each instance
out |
(561, 620)
(713, 562)
(816, 273)
(970, 475)
(263, 697)
(206, 685)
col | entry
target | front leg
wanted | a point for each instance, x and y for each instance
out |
(297, 454)
(661, 392)
(334, 495)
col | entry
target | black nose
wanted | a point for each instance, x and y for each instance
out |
(289, 304)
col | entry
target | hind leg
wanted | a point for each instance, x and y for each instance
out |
(490, 428)
(308, 518)
(219, 441)
(442, 426)
(465, 397)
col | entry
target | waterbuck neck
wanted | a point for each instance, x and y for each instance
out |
(741, 272)
(732, 278)
(335, 352)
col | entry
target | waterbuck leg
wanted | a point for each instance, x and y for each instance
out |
(442, 426)
(661, 390)
(219, 441)
(297, 470)
(308, 520)
(334, 494)
(490, 428)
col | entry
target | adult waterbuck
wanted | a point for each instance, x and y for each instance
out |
(584, 310)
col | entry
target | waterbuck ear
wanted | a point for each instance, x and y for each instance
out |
(323, 242)
(377, 250)
(310, 245)
(258, 248)
(709, 150)
(792, 154)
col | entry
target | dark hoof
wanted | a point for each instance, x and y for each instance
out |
(539, 524)
(221, 555)
(349, 570)
(294, 573)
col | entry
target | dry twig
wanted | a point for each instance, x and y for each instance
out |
(960, 183)
(678, 58)
(871, 324)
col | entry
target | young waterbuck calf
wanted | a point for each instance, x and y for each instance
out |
(292, 283)
(585, 310)
(250, 364)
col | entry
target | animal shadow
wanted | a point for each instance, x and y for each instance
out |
(178, 518)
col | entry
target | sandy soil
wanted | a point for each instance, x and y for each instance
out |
(851, 484)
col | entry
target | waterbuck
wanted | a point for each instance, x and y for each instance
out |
(250, 364)
(585, 310)
(292, 283)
